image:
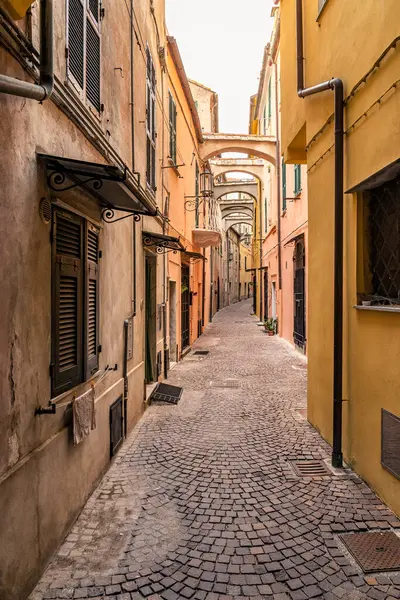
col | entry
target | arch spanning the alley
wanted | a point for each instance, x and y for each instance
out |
(215, 144)
(248, 166)
(249, 187)
(242, 210)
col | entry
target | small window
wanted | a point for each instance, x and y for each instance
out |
(83, 55)
(284, 195)
(381, 241)
(297, 179)
(151, 121)
(172, 129)
(75, 301)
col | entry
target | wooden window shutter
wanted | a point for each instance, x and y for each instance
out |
(92, 300)
(67, 301)
(92, 60)
(76, 41)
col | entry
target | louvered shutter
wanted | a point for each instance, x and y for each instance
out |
(92, 62)
(67, 301)
(92, 300)
(76, 40)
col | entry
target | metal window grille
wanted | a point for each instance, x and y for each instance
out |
(151, 121)
(384, 229)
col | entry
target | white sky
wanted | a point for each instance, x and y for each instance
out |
(222, 44)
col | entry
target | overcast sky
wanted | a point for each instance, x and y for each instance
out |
(222, 44)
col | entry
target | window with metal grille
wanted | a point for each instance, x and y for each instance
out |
(151, 121)
(172, 129)
(284, 195)
(382, 224)
(75, 301)
(83, 48)
(297, 179)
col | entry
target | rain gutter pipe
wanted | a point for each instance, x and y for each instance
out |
(43, 90)
(133, 153)
(336, 85)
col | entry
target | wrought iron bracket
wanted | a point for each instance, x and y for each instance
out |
(56, 181)
(108, 216)
(160, 246)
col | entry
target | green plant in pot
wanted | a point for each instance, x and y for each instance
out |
(271, 325)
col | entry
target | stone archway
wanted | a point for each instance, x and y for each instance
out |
(216, 144)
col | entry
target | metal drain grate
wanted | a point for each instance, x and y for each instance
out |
(310, 468)
(163, 392)
(228, 383)
(374, 551)
(201, 352)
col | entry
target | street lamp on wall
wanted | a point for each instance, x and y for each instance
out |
(206, 191)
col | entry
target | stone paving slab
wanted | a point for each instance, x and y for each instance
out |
(202, 501)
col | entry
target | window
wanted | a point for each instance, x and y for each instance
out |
(75, 300)
(172, 129)
(284, 204)
(269, 99)
(83, 50)
(197, 216)
(297, 179)
(382, 260)
(151, 121)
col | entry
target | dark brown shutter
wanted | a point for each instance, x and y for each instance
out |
(67, 301)
(76, 38)
(92, 64)
(92, 300)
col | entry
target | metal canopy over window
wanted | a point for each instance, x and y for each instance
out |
(162, 243)
(109, 185)
(193, 257)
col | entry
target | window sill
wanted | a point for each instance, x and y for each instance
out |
(390, 309)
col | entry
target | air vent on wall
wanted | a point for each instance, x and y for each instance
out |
(45, 210)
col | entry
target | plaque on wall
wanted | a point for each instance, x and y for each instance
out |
(390, 454)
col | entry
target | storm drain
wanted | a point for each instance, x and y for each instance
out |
(310, 468)
(201, 352)
(374, 551)
(228, 383)
(163, 392)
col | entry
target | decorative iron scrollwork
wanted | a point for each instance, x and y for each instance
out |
(161, 246)
(108, 216)
(56, 181)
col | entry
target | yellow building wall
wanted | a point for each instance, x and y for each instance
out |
(345, 42)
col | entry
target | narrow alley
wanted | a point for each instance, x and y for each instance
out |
(203, 501)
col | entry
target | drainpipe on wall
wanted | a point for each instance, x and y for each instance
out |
(133, 152)
(278, 179)
(125, 375)
(43, 90)
(261, 243)
(211, 282)
(165, 216)
(337, 86)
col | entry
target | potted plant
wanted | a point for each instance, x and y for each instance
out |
(271, 325)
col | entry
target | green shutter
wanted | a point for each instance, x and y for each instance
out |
(283, 185)
(172, 129)
(297, 179)
(67, 296)
(269, 99)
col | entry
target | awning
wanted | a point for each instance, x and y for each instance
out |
(294, 239)
(162, 243)
(193, 256)
(206, 237)
(111, 186)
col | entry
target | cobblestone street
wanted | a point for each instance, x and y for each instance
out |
(202, 501)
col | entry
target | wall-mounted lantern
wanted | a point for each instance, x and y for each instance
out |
(206, 184)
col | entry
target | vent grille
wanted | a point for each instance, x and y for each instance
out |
(75, 40)
(45, 210)
(68, 323)
(201, 352)
(391, 443)
(68, 237)
(93, 246)
(310, 468)
(116, 426)
(164, 392)
(92, 318)
(228, 383)
(92, 65)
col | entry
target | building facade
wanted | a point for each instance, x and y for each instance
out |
(97, 250)
(363, 205)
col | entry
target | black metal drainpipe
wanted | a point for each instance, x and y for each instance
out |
(125, 375)
(133, 150)
(337, 86)
(16, 87)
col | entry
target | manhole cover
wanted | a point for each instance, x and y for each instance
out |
(201, 352)
(374, 551)
(310, 468)
(170, 394)
(228, 383)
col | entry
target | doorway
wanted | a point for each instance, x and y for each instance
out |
(219, 294)
(265, 294)
(172, 322)
(299, 262)
(255, 294)
(273, 300)
(185, 306)
(150, 321)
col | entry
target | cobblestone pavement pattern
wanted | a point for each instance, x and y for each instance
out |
(202, 502)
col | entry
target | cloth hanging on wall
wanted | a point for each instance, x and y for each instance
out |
(84, 415)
